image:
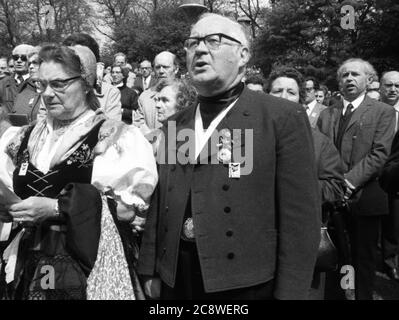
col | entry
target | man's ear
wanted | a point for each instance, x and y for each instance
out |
(245, 55)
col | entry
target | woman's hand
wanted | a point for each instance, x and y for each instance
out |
(124, 213)
(138, 224)
(33, 210)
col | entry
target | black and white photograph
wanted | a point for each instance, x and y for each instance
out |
(199, 155)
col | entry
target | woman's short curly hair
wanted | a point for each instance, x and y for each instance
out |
(186, 95)
(288, 72)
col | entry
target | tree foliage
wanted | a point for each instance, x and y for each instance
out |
(21, 21)
(308, 35)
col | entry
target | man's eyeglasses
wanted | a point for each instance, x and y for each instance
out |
(23, 57)
(58, 85)
(309, 89)
(212, 41)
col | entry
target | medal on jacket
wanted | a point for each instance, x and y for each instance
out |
(234, 170)
(224, 153)
(188, 229)
(24, 169)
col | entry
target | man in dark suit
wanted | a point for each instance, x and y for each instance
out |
(18, 93)
(362, 130)
(390, 224)
(146, 80)
(221, 227)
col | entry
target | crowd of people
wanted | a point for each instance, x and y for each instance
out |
(140, 183)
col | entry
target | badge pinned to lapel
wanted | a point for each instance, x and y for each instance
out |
(24, 169)
(234, 170)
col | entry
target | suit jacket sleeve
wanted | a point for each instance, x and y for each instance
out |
(372, 163)
(330, 172)
(389, 179)
(298, 207)
(147, 257)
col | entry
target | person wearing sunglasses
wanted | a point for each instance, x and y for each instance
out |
(82, 179)
(28, 100)
(19, 85)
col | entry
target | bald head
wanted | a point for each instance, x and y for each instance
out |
(20, 55)
(165, 65)
(227, 25)
(217, 53)
(389, 88)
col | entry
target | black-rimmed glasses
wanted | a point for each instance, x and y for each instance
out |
(212, 41)
(58, 85)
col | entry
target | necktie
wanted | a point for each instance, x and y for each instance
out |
(20, 79)
(397, 120)
(348, 111)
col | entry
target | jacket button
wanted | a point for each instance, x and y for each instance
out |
(246, 113)
(226, 187)
(227, 209)
(166, 208)
(173, 168)
(229, 233)
(170, 188)
(164, 249)
(166, 229)
(231, 256)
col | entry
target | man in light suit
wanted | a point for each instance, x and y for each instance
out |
(313, 108)
(221, 227)
(145, 118)
(362, 130)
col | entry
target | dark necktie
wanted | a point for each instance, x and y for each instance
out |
(348, 111)
(20, 79)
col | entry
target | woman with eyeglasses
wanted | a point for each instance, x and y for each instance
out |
(80, 180)
(128, 96)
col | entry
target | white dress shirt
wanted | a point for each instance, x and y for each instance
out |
(311, 106)
(355, 103)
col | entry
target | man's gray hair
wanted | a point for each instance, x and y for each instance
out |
(367, 67)
(386, 72)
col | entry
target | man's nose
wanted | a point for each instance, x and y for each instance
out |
(201, 47)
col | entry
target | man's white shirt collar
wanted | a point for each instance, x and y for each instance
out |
(355, 103)
(24, 76)
(311, 106)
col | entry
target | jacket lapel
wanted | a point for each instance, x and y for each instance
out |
(336, 115)
(358, 113)
(186, 123)
(314, 115)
